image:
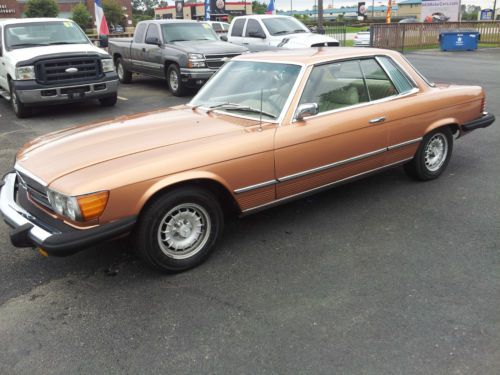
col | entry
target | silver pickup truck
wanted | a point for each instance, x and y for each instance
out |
(184, 52)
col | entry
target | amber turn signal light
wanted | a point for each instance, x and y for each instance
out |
(93, 205)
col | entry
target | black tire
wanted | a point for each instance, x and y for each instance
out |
(109, 101)
(123, 74)
(426, 164)
(178, 212)
(174, 82)
(18, 107)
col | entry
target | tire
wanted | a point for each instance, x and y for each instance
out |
(19, 108)
(178, 212)
(123, 74)
(109, 101)
(174, 82)
(432, 156)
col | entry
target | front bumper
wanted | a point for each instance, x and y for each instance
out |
(484, 121)
(32, 93)
(30, 231)
(196, 74)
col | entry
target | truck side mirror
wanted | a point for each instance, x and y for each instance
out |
(153, 40)
(224, 38)
(257, 34)
(306, 110)
(103, 41)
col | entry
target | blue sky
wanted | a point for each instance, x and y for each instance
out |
(308, 4)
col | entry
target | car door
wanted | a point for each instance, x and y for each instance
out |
(138, 49)
(347, 137)
(3, 66)
(236, 32)
(153, 64)
(254, 33)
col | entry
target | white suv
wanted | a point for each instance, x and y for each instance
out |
(258, 32)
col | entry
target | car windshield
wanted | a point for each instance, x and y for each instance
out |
(179, 32)
(239, 86)
(35, 34)
(284, 25)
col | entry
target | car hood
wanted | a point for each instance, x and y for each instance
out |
(209, 47)
(301, 40)
(56, 154)
(23, 54)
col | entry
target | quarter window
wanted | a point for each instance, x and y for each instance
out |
(335, 85)
(139, 33)
(400, 79)
(378, 83)
(238, 27)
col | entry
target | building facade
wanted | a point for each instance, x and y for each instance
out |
(221, 11)
(410, 9)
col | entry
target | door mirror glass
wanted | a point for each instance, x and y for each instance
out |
(306, 110)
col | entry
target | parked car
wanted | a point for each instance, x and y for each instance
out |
(437, 17)
(219, 27)
(409, 20)
(362, 39)
(266, 129)
(46, 61)
(259, 32)
(116, 28)
(187, 53)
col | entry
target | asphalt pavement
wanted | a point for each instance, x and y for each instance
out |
(382, 276)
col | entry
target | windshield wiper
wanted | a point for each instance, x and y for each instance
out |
(282, 32)
(299, 31)
(178, 40)
(238, 107)
(54, 43)
(27, 45)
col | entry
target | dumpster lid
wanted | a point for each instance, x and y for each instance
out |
(459, 32)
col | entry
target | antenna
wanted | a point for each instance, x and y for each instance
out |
(260, 116)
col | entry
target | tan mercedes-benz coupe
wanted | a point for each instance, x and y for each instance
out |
(267, 128)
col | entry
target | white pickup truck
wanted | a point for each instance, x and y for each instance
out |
(261, 32)
(46, 61)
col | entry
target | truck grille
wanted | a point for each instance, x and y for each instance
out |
(216, 61)
(55, 71)
(36, 191)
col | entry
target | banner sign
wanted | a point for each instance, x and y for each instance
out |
(361, 9)
(207, 10)
(486, 14)
(435, 11)
(179, 9)
(217, 7)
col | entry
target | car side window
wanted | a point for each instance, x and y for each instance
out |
(335, 85)
(378, 83)
(153, 32)
(253, 27)
(238, 27)
(400, 79)
(217, 27)
(139, 33)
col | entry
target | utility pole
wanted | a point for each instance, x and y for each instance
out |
(320, 17)
(291, 7)
(494, 9)
(373, 9)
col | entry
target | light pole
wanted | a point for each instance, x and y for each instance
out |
(373, 9)
(320, 17)
(494, 9)
(291, 7)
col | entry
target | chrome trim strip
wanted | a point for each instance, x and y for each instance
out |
(402, 144)
(17, 167)
(332, 165)
(256, 186)
(338, 182)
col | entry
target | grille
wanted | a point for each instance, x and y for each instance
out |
(215, 61)
(53, 71)
(35, 190)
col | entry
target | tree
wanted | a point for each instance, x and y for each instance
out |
(113, 12)
(258, 7)
(41, 8)
(81, 16)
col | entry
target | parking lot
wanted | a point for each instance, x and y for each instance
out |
(381, 276)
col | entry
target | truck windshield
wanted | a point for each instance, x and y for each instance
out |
(284, 25)
(250, 89)
(24, 35)
(179, 32)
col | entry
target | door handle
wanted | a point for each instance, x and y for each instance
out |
(143, 49)
(377, 120)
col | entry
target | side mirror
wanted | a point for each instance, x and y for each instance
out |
(1, 49)
(257, 34)
(306, 110)
(223, 38)
(153, 40)
(103, 41)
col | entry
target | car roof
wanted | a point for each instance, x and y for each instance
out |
(11, 21)
(308, 56)
(264, 16)
(173, 21)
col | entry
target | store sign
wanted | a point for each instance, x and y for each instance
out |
(217, 7)
(179, 9)
(438, 11)
(8, 8)
(486, 14)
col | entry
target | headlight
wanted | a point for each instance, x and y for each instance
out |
(79, 208)
(196, 60)
(25, 72)
(107, 65)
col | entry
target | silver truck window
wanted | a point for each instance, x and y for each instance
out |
(238, 27)
(140, 31)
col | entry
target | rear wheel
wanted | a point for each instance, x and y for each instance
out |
(174, 81)
(432, 156)
(123, 74)
(179, 229)
(19, 108)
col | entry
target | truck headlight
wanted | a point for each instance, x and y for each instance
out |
(25, 72)
(79, 208)
(196, 60)
(107, 65)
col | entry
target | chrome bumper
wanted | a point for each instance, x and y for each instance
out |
(197, 73)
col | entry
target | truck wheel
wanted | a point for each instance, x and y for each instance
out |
(174, 81)
(109, 101)
(19, 108)
(123, 74)
(179, 229)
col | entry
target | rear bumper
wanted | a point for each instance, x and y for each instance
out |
(486, 120)
(33, 94)
(30, 231)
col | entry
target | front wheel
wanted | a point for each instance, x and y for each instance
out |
(432, 156)
(19, 108)
(174, 81)
(179, 229)
(123, 74)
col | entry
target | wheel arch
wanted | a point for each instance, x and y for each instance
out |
(116, 56)
(450, 122)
